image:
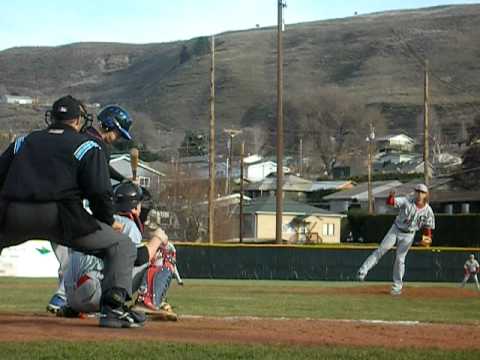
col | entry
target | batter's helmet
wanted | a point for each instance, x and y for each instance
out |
(113, 117)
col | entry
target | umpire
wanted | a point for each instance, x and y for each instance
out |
(43, 178)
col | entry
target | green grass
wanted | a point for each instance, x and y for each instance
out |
(151, 350)
(248, 298)
(276, 299)
(272, 299)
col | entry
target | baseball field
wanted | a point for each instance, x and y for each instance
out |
(226, 319)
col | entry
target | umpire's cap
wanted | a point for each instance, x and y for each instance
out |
(67, 108)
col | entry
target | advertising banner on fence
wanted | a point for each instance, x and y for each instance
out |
(31, 259)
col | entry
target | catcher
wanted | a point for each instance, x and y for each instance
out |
(414, 214)
(156, 282)
(84, 273)
(471, 269)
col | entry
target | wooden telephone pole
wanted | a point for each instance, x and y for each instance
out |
(426, 128)
(211, 151)
(240, 222)
(371, 140)
(279, 204)
(300, 155)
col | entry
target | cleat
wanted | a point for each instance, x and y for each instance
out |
(394, 292)
(121, 317)
(67, 312)
(361, 276)
(56, 303)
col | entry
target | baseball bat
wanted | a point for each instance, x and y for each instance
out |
(134, 155)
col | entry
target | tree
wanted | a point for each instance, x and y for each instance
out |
(334, 125)
(194, 144)
(469, 177)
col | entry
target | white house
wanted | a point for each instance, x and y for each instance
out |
(147, 176)
(395, 158)
(260, 170)
(400, 142)
(16, 100)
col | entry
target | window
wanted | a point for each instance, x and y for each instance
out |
(144, 181)
(328, 229)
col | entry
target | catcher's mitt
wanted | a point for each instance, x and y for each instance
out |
(426, 241)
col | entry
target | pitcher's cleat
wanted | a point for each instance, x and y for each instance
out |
(395, 292)
(361, 276)
(56, 303)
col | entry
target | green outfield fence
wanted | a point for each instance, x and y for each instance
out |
(331, 263)
(459, 230)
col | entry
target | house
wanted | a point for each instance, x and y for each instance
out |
(301, 222)
(198, 167)
(332, 185)
(394, 158)
(257, 171)
(357, 196)
(399, 142)
(294, 185)
(16, 100)
(148, 177)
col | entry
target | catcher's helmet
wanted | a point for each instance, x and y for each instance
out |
(113, 117)
(126, 196)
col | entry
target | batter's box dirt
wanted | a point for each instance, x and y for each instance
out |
(257, 331)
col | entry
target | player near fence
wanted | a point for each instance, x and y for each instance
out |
(414, 214)
(84, 273)
(471, 268)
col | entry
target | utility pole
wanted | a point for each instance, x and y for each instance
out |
(231, 134)
(370, 140)
(279, 205)
(426, 130)
(211, 153)
(240, 220)
(300, 157)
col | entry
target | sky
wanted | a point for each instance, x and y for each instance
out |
(55, 22)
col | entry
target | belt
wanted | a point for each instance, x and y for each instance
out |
(404, 231)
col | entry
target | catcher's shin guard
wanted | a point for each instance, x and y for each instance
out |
(149, 292)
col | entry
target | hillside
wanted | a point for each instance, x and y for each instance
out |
(369, 57)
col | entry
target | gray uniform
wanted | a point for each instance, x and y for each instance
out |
(84, 274)
(408, 221)
(62, 253)
(471, 268)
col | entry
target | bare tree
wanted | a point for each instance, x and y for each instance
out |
(255, 137)
(334, 124)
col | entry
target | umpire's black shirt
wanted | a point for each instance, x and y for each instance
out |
(63, 166)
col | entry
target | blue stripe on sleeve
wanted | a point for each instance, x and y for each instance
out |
(18, 144)
(84, 148)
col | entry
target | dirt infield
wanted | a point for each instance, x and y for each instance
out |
(384, 290)
(246, 330)
(408, 292)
